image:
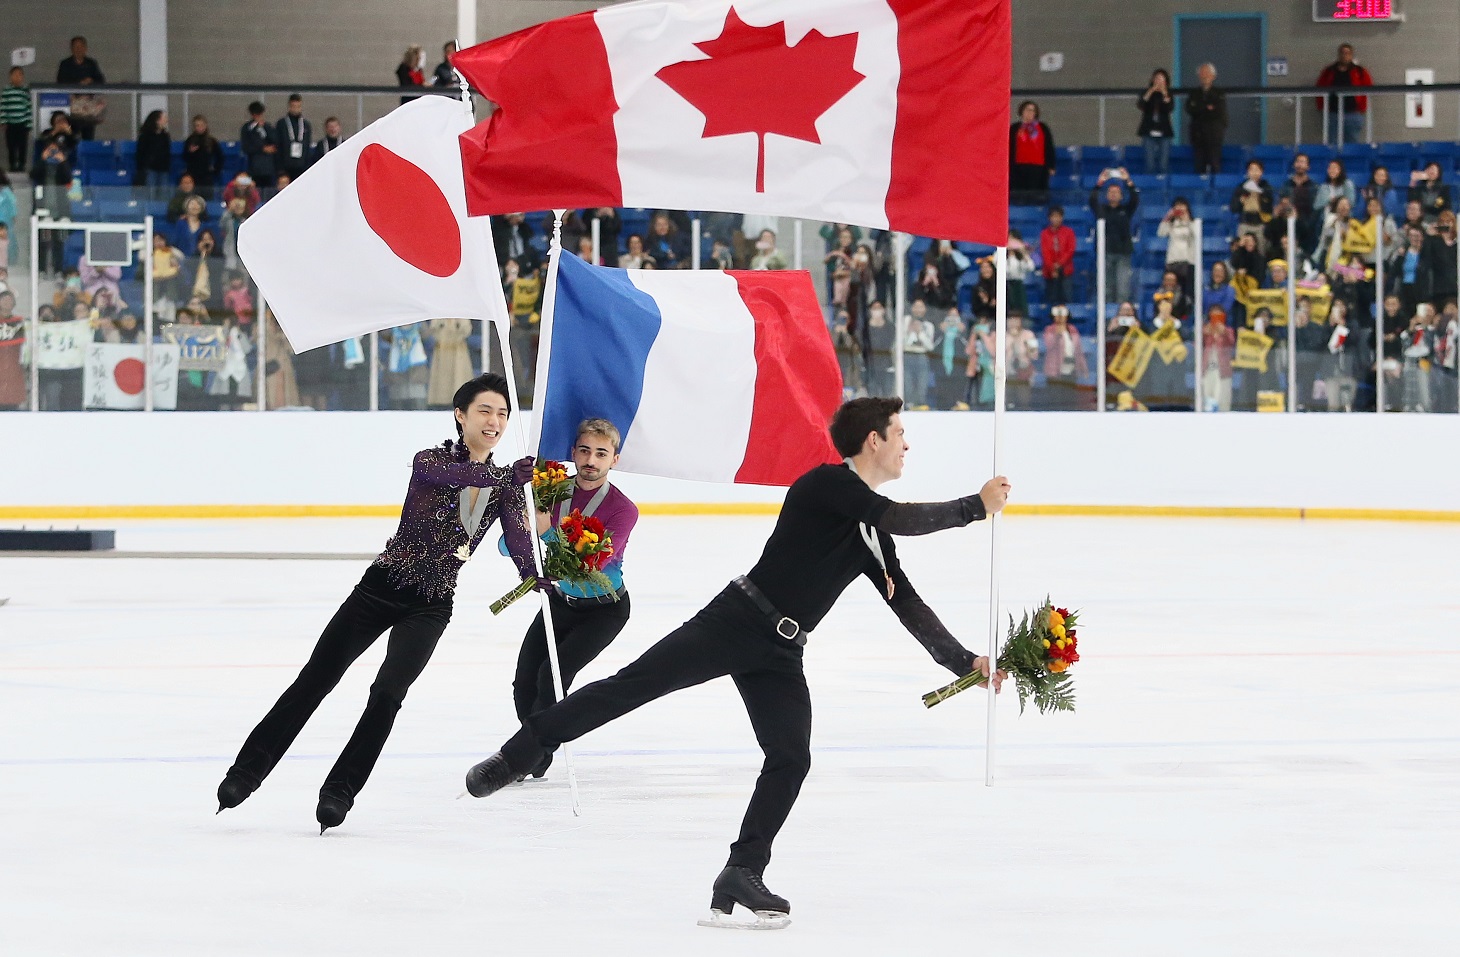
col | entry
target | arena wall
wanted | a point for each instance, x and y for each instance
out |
(239, 464)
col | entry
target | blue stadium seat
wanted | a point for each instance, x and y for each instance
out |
(1187, 181)
(1067, 160)
(1148, 181)
(1226, 182)
(1181, 154)
(1214, 245)
(1093, 159)
(85, 211)
(120, 211)
(112, 179)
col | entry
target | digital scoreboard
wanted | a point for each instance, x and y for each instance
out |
(1347, 11)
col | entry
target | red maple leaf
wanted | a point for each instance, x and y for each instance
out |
(729, 88)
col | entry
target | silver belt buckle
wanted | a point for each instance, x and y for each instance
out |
(795, 628)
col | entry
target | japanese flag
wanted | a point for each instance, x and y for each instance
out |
(376, 234)
(885, 113)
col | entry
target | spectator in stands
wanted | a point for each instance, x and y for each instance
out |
(848, 356)
(635, 257)
(1364, 237)
(980, 369)
(1218, 345)
(237, 300)
(1348, 111)
(1206, 106)
(725, 228)
(14, 377)
(1021, 353)
(450, 360)
(937, 281)
(408, 71)
(50, 169)
(949, 359)
(445, 75)
(585, 252)
(295, 136)
(154, 155)
(1334, 239)
(669, 246)
(1180, 234)
(234, 213)
(166, 264)
(721, 255)
(1274, 235)
(1031, 157)
(511, 235)
(8, 210)
(1057, 253)
(1017, 267)
(1302, 192)
(1155, 130)
(1335, 184)
(1340, 361)
(767, 256)
(203, 157)
(78, 69)
(1442, 266)
(838, 261)
(1125, 319)
(1064, 361)
(15, 114)
(1414, 216)
(1310, 340)
(918, 335)
(1218, 290)
(259, 144)
(1426, 188)
(877, 351)
(407, 369)
(609, 227)
(1252, 202)
(986, 291)
(1447, 350)
(1409, 271)
(1380, 186)
(861, 286)
(280, 181)
(242, 186)
(1417, 345)
(1119, 212)
(192, 224)
(96, 279)
(1170, 291)
(331, 140)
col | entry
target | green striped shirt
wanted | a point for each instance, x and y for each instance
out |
(15, 106)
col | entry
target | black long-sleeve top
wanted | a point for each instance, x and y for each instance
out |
(817, 549)
(203, 158)
(154, 153)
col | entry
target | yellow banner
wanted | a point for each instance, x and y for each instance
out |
(1274, 300)
(1270, 401)
(1169, 345)
(1131, 359)
(1318, 302)
(1252, 350)
(1360, 237)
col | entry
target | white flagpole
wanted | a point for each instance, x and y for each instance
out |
(539, 394)
(1001, 273)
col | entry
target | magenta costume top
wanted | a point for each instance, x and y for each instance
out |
(426, 552)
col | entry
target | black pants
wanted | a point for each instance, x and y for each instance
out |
(728, 637)
(17, 137)
(1206, 151)
(582, 632)
(375, 605)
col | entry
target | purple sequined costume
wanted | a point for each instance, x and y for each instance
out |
(407, 590)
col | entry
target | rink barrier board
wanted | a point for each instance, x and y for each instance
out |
(184, 512)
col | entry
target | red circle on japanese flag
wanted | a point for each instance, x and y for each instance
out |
(405, 207)
(130, 376)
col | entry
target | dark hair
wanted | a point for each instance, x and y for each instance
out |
(255, 108)
(471, 388)
(153, 121)
(855, 419)
(1342, 170)
(1258, 163)
(1183, 201)
(1020, 111)
(331, 119)
(1056, 208)
(295, 98)
(1014, 234)
(79, 37)
(1161, 72)
(60, 115)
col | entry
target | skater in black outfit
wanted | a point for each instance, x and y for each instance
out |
(832, 528)
(455, 494)
(585, 620)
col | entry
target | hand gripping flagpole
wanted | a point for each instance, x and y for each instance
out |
(1001, 270)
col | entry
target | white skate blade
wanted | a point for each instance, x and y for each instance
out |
(764, 920)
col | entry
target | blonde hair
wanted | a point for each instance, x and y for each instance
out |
(413, 55)
(601, 427)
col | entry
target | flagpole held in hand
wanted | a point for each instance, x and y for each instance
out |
(1001, 270)
(540, 393)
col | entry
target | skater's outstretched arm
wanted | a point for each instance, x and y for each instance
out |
(924, 518)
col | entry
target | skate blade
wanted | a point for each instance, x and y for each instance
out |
(764, 920)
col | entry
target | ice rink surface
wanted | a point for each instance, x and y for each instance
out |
(1265, 760)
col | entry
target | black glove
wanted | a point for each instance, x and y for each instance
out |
(543, 584)
(522, 470)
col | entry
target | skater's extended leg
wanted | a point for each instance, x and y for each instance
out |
(530, 659)
(779, 706)
(582, 638)
(358, 622)
(412, 642)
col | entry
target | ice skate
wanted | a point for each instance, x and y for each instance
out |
(331, 810)
(741, 885)
(542, 767)
(490, 776)
(232, 792)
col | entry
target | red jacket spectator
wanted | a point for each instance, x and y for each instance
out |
(1332, 75)
(1057, 248)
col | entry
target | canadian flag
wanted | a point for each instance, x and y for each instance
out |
(376, 234)
(884, 113)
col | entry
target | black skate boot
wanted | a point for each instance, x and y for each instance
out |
(331, 810)
(542, 766)
(232, 792)
(491, 776)
(743, 886)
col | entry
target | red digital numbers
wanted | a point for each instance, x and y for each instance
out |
(1363, 9)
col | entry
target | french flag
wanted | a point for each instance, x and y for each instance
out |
(709, 376)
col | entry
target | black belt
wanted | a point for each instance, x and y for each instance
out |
(589, 601)
(787, 628)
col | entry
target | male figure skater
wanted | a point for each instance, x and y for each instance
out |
(832, 528)
(585, 619)
(456, 493)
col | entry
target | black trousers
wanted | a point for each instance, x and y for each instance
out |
(582, 632)
(17, 138)
(728, 637)
(1206, 151)
(415, 625)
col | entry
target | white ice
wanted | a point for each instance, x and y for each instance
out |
(1264, 760)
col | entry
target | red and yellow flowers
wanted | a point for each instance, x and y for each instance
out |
(1037, 655)
(551, 484)
(574, 552)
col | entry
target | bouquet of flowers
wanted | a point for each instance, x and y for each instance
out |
(575, 552)
(1037, 655)
(551, 484)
